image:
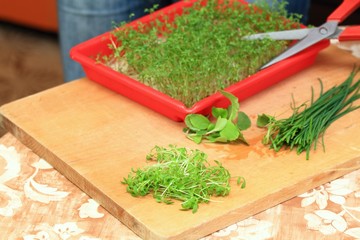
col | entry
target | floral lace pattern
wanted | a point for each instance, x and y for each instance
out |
(37, 202)
(337, 209)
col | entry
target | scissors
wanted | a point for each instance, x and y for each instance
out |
(310, 36)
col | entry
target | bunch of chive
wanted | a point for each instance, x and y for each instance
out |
(308, 123)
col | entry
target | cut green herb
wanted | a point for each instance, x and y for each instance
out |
(227, 127)
(308, 123)
(202, 51)
(181, 174)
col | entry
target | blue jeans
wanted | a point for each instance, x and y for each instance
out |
(80, 20)
(295, 6)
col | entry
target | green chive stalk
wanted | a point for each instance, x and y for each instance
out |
(307, 124)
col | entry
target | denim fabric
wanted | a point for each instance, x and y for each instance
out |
(294, 6)
(80, 20)
(301, 7)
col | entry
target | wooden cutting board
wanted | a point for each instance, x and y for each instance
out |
(94, 137)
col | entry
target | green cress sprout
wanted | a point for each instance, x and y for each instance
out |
(180, 174)
(308, 123)
(227, 127)
(201, 51)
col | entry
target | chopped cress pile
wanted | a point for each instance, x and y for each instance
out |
(181, 174)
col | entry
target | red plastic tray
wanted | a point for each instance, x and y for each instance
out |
(84, 54)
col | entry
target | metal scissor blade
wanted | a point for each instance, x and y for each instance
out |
(280, 35)
(315, 35)
(296, 34)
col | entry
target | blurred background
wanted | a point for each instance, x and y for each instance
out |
(29, 50)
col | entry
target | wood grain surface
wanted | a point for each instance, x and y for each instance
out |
(94, 137)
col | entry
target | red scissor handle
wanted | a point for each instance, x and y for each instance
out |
(344, 10)
(350, 33)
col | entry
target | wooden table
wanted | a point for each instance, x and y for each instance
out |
(94, 137)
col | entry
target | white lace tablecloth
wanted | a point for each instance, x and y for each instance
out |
(37, 202)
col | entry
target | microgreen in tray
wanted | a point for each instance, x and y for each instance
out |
(193, 55)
